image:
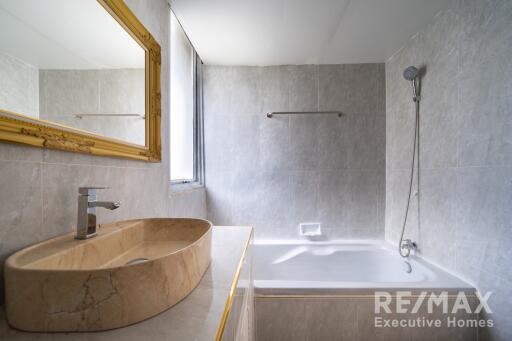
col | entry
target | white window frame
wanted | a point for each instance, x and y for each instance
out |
(198, 148)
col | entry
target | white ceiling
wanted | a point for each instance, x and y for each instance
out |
(277, 32)
(66, 34)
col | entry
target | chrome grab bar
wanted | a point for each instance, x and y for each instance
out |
(80, 116)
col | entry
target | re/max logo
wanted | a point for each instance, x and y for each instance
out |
(403, 302)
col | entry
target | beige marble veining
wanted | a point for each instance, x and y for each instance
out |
(197, 317)
(68, 285)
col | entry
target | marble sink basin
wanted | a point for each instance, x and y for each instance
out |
(129, 272)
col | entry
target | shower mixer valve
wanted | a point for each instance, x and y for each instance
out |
(409, 245)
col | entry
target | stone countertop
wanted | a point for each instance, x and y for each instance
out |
(197, 317)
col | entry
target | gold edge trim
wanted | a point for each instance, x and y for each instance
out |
(29, 131)
(38, 135)
(234, 283)
(121, 12)
(348, 296)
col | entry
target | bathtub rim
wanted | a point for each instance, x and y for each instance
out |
(454, 282)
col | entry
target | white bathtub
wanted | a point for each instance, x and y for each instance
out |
(326, 291)
(343, 265)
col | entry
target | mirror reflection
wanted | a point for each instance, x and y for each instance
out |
(70, 62)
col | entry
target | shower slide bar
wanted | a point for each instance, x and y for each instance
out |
(271, 114)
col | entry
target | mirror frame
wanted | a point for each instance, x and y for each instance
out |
(40, 133)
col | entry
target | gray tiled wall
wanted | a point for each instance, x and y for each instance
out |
(462, 218)
(38, 187)
(19, 84)
(66, 93)
(275, 173)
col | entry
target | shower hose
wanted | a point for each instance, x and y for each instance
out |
(411, 178)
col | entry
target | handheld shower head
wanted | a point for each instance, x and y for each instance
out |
(411, 74)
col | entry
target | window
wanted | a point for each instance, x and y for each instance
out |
(186, 109)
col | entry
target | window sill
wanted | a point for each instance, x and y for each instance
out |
(185, 187)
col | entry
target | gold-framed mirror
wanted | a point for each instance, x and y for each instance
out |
(81, 76)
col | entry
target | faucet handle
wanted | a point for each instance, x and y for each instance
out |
(89, 190)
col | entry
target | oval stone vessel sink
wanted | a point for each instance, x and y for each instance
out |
(129, 272)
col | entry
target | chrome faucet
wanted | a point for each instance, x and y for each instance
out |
(86, 223)
(409, 246)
